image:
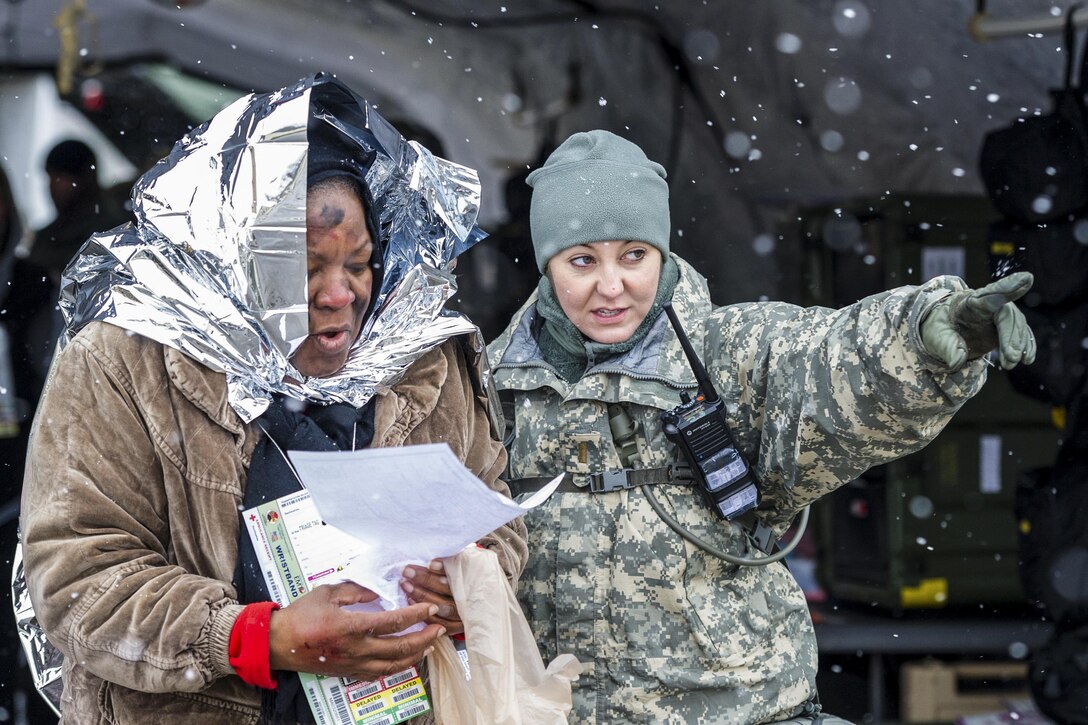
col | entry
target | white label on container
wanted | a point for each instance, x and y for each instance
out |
(989, 464)
(943, 260)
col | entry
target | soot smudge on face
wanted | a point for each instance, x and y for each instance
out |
(331, 216)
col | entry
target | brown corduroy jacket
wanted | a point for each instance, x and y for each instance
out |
(130, 518)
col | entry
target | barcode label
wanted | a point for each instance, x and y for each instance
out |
(372, 707)
(316, 697)
(462, 655)
(418, 709)
(387, 720)
(341, 705)
(361, 690)
(407, 694)
(400, 677)
(732, 471)
(739, 502)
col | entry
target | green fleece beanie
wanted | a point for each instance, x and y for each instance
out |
(597, 187)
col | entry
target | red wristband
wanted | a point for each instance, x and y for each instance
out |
(249, 650)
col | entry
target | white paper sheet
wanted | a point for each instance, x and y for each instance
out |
(405, 505)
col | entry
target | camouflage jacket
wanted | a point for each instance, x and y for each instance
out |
(814, 397)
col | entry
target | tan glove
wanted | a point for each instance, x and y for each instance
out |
(968, 324)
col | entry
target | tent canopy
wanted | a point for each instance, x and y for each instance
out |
(755, 109)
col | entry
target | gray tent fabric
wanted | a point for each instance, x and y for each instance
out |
(753, 108)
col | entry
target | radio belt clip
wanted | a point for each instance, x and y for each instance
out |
(763, 536)
(609, 481)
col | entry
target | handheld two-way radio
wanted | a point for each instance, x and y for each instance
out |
(698, 427)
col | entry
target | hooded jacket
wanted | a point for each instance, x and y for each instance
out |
(813, 398)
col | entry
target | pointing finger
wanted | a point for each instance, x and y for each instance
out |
(1007, 289)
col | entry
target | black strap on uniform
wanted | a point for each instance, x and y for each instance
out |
(626, 478)
(532, 484)
(607, 482)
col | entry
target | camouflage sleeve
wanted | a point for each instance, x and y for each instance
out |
(817, 396)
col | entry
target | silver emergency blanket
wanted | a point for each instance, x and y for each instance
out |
(215, 265)
(45, 660)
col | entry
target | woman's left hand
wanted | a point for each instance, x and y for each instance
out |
(430, 585)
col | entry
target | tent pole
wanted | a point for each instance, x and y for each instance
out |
(983, 27)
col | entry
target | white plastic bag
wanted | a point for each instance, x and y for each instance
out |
(509, 684)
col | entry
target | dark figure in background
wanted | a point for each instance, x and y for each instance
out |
(83, 208)
(11, 232)
(28, 299)
(24, 293)
(29, 310)
(29, 287)
(20, 291)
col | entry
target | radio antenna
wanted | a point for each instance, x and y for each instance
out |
(702, 378)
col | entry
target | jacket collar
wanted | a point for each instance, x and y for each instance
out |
(203, 387)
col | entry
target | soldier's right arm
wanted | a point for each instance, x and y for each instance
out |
(817, 396)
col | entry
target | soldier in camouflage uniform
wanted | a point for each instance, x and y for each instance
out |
(814, 397)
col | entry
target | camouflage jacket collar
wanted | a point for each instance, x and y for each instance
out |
(657, 359)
